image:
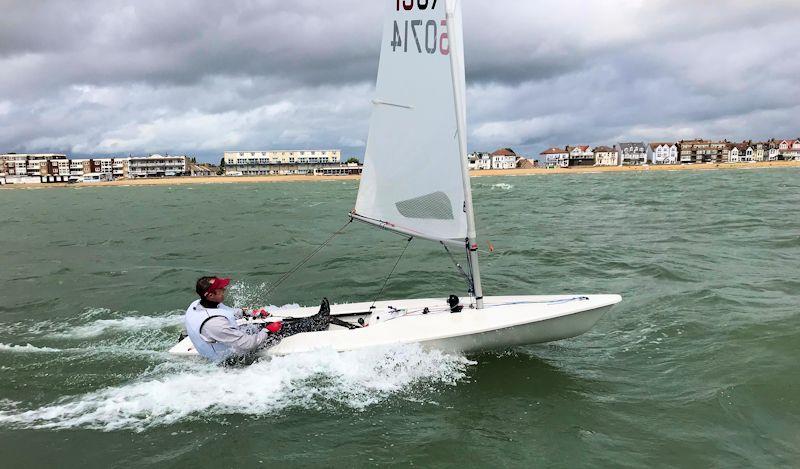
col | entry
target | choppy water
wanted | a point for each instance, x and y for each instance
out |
(696, 368)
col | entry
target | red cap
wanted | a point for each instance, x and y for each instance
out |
(217, 283)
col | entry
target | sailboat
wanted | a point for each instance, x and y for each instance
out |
(416, 183)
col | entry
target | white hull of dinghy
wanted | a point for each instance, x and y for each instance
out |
(505, 321)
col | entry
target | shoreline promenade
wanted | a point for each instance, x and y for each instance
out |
(168, 181)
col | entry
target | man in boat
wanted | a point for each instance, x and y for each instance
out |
(211, 325)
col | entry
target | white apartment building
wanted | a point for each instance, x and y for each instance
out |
(662, 153)
(119, 167)
(255, 163)
(156, 166)
(28, 164)
(61, 167)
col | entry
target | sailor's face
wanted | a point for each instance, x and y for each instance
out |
(217, 296)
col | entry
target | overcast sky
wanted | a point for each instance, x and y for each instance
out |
(200, 77)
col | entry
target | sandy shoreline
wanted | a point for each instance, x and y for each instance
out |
(484, 173)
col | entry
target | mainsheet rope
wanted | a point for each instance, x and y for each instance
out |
(411, 238)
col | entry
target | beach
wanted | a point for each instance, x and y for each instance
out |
(174, 181)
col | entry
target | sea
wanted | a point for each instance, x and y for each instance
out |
(696, 367)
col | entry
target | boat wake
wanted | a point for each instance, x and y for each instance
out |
(175, 391)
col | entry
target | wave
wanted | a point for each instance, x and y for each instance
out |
(27, 348)
(323, 381)
(129, 323)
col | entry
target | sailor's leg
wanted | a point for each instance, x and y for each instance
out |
(317, 322)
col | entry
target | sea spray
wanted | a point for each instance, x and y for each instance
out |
(184, 390)
(127, 324)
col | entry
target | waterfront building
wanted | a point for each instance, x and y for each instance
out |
(736, 153)
(26, 168)
(632, 153)
(77, 167)
(582, 155)
(761, 150)
(257, 163)
(750, 153)
(17, 166)
(504, 158)
(701, 151)
(555, 158)
(662, 153)
(789, 150)
(81, 166)
(157, 166)
(120, 168)
(773, 152)
(479, 160)
(346, 169)
(606, 156)
(200, 170)
(29, 164)
(104, 165)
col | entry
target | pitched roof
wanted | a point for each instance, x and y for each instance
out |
(603, 149)
(553, 151)
(579, 147)
(504, 152)
(525, 163)
(655, 145)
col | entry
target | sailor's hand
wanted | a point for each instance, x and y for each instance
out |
(274, 326)
(260, 313)
(256, 313)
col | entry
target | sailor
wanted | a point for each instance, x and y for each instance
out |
(212, 328)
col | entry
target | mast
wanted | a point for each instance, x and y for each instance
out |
(471, 241)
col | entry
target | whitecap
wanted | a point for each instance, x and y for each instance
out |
(129, 324)
(27, 348)
(503, 185)
(323, 380)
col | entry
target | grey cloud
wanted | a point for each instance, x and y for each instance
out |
(200, 77)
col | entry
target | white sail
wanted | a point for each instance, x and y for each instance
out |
(413, 180)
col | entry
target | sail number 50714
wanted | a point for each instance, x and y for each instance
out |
(426, 39)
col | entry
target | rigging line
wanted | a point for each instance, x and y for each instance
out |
(411, 238)
(471, 272)
(307, 258)
(470, 287)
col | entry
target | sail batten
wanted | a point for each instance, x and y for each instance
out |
(412, 174)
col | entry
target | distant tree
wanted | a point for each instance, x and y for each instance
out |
(353, 160)
(221, 169)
